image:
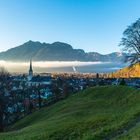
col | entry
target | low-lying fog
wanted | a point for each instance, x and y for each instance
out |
(61, 66)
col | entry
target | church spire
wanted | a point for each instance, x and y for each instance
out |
(31, 65)
(30, 76)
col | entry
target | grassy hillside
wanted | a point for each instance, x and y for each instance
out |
(130, 71)
(93, 114)
(132, 134)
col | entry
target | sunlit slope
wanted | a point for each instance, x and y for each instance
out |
(95, 113)
(130, 71)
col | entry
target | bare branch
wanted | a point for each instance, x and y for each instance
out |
(131, 42)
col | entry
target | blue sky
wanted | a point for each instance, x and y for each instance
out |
(92, 25)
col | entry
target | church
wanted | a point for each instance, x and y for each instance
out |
(38, 80)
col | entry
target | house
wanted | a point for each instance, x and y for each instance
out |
(40, 80)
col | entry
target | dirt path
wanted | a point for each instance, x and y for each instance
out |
(125, 129)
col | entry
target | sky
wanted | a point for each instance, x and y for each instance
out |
(92, 25)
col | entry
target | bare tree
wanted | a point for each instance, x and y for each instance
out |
(4, 75)
(131, 42)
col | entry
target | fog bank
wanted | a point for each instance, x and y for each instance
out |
(60, 66)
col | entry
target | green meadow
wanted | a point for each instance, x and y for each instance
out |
(107, 112)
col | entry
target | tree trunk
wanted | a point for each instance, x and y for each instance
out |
(1, 120)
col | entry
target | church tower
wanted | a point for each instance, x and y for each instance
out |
(30, 76)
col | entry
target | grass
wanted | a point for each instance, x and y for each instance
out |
(133, 134)
(92, 114)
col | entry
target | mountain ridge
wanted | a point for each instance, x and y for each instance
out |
(57, 51)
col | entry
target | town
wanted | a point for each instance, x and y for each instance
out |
(23, 94)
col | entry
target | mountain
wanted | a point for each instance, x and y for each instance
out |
(112, 57)
(126, 72)
(98, 113)
(56, 51)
